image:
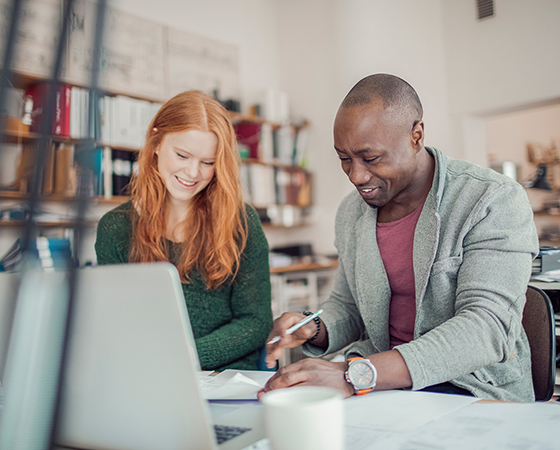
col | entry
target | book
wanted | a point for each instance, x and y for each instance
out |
(48, 170)
(67, 104)
(122, 170)
(64, 171)
(9, 158)
(282, 181)
(248, 134)
(244, 177)
(107, 172)
(60, 109)
(300, 147)
(75, 107)
(266, 144)
(263, 189)
(284, 144)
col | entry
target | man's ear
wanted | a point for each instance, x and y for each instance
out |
(417, 135)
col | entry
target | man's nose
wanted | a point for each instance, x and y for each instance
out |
(358, 174)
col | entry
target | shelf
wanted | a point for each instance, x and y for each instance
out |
(237, 117)
(46, 224)
(309, 267)
(542, 213)
(273, 164)
(16, 195)
(272, 226)
(23, 80)
(14, 137)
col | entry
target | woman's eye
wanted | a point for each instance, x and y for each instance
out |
(181, 156)
(208, 163)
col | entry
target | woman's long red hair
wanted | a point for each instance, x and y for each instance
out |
(216, 224)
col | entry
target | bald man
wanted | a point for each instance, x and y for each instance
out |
(434, 259)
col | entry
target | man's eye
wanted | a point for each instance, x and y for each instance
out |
(370, 160)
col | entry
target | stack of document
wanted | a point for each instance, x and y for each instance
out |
(233, 384)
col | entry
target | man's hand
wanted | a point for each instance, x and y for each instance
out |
(310, 372)
(297, 338)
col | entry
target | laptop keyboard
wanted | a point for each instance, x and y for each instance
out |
(225, 433)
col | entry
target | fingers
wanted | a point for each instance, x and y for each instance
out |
(310, 372)
(281, 324)
(287, 376)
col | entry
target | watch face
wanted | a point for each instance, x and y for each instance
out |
(361, 375)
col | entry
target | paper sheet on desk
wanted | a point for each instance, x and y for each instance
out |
(401, 410)
(491, 426)
(549, 277)
(234, 384)
(384, 419)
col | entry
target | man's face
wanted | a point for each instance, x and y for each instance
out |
(377, 152)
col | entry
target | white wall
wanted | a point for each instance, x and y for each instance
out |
(251, 25)
(326, 46)
(500, 64)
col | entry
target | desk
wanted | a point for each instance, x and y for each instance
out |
(397, 420)
(546, 286)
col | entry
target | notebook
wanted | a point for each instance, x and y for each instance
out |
(130, 379)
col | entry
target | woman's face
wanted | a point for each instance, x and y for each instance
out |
(186, 163)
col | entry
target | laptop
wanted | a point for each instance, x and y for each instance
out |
(131, 374)
(8, 293)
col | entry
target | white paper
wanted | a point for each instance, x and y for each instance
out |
(492, 426)
(401, 410)
(233, 384)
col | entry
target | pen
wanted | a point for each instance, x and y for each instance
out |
(297, 326)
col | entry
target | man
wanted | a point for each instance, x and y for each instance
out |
(434, 259)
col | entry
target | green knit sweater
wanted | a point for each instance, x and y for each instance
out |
(230, 324)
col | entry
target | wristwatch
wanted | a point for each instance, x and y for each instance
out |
(361, 374)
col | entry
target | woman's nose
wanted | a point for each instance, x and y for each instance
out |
(191, 169)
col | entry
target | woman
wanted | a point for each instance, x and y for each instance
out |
(187, 208)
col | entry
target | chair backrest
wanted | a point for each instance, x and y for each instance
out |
(538, 322)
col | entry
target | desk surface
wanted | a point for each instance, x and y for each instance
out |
(551, 286)
(393, 420)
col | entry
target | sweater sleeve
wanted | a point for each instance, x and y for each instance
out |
(113, 237)
(250, 304)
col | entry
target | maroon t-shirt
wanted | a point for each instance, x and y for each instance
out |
(395, 241)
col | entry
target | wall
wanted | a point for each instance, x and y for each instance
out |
(326, 46)
(251, 25)
(496, 65)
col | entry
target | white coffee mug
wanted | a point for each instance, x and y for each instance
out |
(307, 417)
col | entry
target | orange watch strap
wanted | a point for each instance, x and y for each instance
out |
(364, 391)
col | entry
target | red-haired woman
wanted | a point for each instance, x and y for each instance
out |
(187, 208)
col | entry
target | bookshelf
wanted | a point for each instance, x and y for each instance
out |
(299, 287)
(272, 175)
